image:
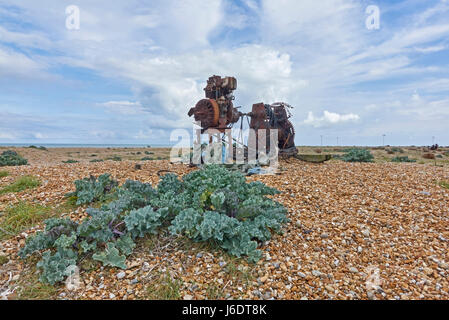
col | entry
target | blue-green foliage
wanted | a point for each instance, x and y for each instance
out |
(90, 190)
(212, 204)
(54, 266)
(11, 158)
(225, 209)
(402, 159)
(111, 257)
(358, 155)
(144, 221)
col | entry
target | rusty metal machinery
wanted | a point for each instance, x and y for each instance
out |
(218, 112)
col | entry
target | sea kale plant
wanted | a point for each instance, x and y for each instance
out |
(90, 190)
(358, 155)
(11, 158)
(402, 159)
(211, 204)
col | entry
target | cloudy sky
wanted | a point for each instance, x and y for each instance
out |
(134, 68)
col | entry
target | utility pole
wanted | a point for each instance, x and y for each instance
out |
(383, 139)
(433, 140)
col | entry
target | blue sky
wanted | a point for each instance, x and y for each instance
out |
(134, 68)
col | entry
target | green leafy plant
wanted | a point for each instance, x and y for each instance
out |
(70, 161)
(90, 190)
(402, 159)
(223, 208)
(115, 158)
(12, 158)
(96, 161)
(38, 148)
(146, 159)
(21, 184)
(396, 149)
(213, 205)
(358, 155)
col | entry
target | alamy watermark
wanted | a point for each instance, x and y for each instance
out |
(221, 147)
(72, 283)
(372, 22)
(373, 280)
(73, 20)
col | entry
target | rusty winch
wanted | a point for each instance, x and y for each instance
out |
(218, 112)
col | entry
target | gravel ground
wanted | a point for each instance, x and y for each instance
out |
(356, 231)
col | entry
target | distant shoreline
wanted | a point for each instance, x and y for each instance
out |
(75, 145)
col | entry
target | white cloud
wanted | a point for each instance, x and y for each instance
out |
(431, 49)
(18, 65)
(310, 55)
(123, 107)
(330, 118)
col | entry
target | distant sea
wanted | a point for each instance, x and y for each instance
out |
(74, 145)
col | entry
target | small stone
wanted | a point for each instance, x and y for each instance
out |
(324, 236)
(199, 255)
(111, 296)
(222, 264)
(257, 293)
(329, 288)
(366, 233)
(316, 273)
(359, 249)
(121, 275)
(353, 270)
(188, 297)
(302, 275)
(264, 279)
(194, 287)
(428, 271)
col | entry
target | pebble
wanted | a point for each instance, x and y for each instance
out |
(410, 229)
(353, 270)
(316, 273)
(111, 296)
(188, 297)
(121, 275)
